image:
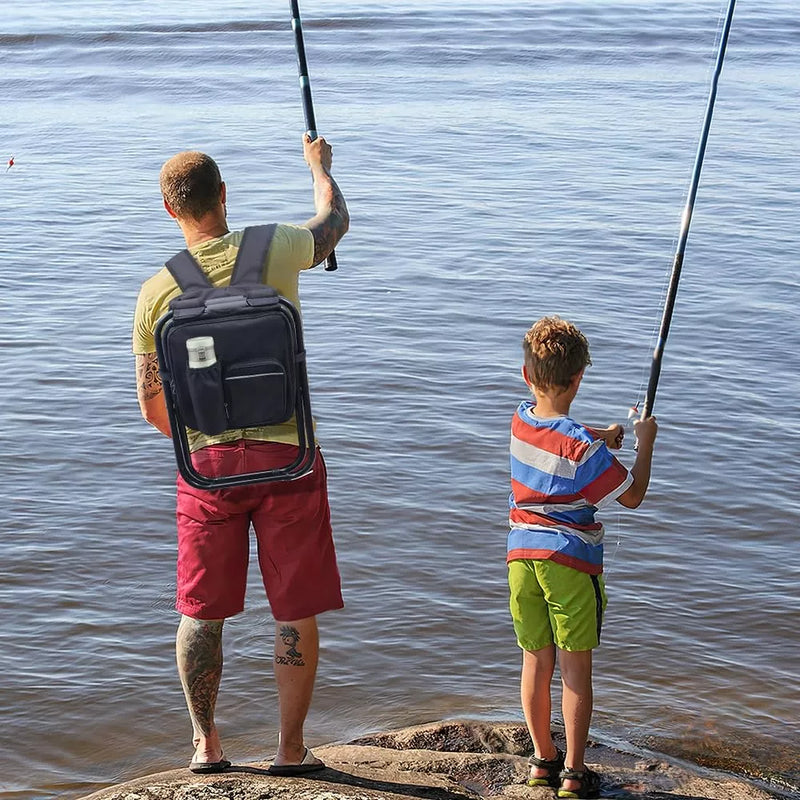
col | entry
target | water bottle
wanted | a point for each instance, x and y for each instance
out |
(201, 352)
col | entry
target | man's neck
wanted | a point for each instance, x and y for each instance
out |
(202, 230)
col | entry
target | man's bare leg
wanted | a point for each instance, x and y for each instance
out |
(537, 674)
(296, 655)
(576, 706)
(198, 647)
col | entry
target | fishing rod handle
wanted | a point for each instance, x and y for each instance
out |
(302, 71)
(308, 107)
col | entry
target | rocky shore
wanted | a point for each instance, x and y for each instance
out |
(452, 760)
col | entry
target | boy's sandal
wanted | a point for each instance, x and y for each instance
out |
(553, 767)
(589, 783)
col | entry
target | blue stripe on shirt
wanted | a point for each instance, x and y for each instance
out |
(539, 481)
(555, 542)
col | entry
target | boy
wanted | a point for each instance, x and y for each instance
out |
(561, 473)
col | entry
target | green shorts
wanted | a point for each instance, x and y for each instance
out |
(551, 603)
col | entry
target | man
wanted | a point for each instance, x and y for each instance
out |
(291, 519)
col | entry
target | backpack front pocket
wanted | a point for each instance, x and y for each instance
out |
(257, 393)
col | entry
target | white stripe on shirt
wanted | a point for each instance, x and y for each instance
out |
(544, 461)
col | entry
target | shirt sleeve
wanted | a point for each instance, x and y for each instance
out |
(601, 478)
(143, 330)
(301, 246)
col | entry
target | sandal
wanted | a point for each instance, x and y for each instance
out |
(589, 783)
(553, 766)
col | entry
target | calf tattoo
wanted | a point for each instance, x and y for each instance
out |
(290, 637)
(199, 653)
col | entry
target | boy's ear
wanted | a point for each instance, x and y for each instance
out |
(577, 378)
(525, 376)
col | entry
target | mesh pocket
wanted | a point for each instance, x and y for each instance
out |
(257, 393)
(208, 401)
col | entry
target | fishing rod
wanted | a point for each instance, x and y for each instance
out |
(305, 92)
(686, 219)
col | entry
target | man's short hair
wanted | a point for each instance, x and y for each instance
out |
(191, 184)
(555, 351)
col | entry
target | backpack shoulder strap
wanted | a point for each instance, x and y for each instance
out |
(249, 266)
(187, 272)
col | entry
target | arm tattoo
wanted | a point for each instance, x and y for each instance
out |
(199, 655)
(290, 636)
(328, 226)
(148, 377)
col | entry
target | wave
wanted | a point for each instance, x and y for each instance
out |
(619, 25)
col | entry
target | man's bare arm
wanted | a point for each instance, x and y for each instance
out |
(332, 219)
(151, 393)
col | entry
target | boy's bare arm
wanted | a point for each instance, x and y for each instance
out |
(645, 430)
(612, 435)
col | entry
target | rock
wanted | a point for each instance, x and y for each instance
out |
(452, 760)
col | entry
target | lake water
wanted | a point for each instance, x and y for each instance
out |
(502, 160)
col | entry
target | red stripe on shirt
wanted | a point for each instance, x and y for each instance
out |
(533, 518)
(604, 484)
(524, 494)
(549, 440)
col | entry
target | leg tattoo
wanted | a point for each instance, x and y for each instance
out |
(199, 656)
(290, 636)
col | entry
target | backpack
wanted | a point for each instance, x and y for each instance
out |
(232, 357)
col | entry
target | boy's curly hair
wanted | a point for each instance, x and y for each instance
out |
(555, 351)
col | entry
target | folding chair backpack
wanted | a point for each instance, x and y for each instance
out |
(232, 357)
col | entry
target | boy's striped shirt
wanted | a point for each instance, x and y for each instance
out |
(560, 475)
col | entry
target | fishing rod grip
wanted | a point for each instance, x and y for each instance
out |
(650, 396)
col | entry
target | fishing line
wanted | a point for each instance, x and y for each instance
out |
(686, 219)
(305, 93)
(723, 33)
(671, 277)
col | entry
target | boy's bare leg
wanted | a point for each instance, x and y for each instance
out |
(199, 656)
(296, 654)
(576, 706)
(537, 675)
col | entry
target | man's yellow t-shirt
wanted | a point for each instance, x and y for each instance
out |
(291, 252)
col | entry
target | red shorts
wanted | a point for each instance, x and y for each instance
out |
(291, 520)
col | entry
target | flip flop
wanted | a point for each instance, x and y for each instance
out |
(310, 763)
(208, 767)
